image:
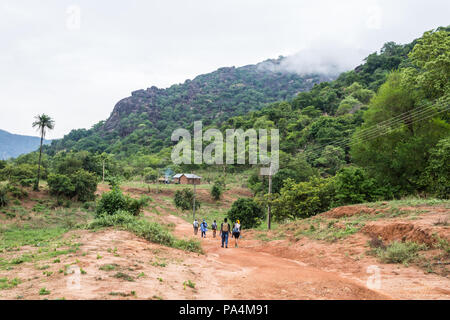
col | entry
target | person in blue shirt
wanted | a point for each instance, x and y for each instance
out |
(204, 228)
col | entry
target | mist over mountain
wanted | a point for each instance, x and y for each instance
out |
(145, 120)
(13, 145)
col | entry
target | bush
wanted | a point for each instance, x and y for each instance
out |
(82, 184)
(248, 212)
(120, 218)
(23, 174)
(135, 206)
(184, 199)
(150, 231)
(216, 191)
(114, 201)
(304, 199)
(16, 192)
(400, 252)
(85, 184)
(60, 185)
(352, 186)
(4, 200)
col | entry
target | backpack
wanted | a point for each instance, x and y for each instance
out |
(195, 224)
(236, 228)
(225, 227)
(214, 226)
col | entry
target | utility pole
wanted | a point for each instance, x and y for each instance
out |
(269, 213)
(194, 198)
(103, 172)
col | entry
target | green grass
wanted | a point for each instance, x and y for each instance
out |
(409, 202)
(399, 252)
(8, 284)
(44, 292)
(151, 231)
(123, 276)
(328, 230)
(18, 237)
(189, 284)
(159, 264)
(109, 267)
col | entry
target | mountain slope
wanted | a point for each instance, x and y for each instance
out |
(145, 120)
(13, 145)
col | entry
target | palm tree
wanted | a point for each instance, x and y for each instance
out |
(42, 123)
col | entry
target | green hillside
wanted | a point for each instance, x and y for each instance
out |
(378, 132)
(145, 120)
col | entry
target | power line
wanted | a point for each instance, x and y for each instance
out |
(346, 142)
(385, 124)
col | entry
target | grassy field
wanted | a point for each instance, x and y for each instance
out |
(35, 229)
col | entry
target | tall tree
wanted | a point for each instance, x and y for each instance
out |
(42, 123)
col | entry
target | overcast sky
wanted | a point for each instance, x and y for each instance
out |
(74, 60)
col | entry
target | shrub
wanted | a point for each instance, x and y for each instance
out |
(82, 184)
(352, 186)
(184, 199)
(114, 201)
(22, 174)
(85, 185)
(247, 211)
(16, 192)
(216, 191)
(150, 231)
(111, 202)
(399, 252)
(120, 218)
(4, 200)
(60, 185)
(304, 199)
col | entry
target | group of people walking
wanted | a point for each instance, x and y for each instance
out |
(225, 230)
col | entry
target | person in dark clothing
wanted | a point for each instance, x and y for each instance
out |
(225, 231)
(214, 228)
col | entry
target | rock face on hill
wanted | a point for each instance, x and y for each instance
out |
(147, 118)
(212, 97)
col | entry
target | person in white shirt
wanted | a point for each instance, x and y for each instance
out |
(236, 232)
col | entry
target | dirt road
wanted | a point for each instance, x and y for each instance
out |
(245, 273)
(116, 264)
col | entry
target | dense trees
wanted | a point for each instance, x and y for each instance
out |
(406, 154)
(377, 132)
(416, 98)
(436, 177)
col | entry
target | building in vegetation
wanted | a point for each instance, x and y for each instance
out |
(186, 178)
